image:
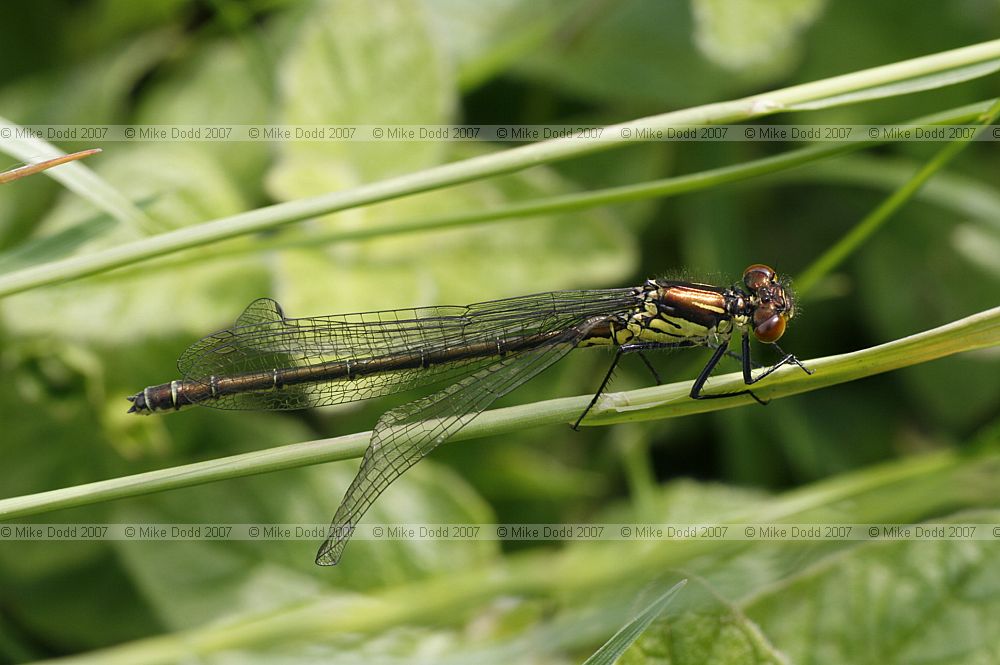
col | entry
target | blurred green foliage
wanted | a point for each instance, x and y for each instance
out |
(70, 353)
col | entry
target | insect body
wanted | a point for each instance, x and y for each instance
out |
(480, 352)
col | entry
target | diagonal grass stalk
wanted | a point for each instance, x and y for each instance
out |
(974, 332)
(894, 79)
(864, 229)
(654, 189)
(922, 485)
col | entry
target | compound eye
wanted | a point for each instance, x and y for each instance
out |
(770, 330)
(758, 275)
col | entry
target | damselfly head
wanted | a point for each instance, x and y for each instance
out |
(773, 303)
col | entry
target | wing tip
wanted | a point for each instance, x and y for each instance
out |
(332, 549)
(329, 553)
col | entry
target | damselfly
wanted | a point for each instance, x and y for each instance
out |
(481, 351)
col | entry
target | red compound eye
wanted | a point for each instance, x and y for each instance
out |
(769, 330)
(758, 275)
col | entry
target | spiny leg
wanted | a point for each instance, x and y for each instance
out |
(629, 348)
(649, 366)
(748, 366)
(787, 359)
(600, 389)
(706, 371)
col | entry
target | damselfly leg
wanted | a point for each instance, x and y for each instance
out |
(748, 377)
(637, 348)
(697, 388)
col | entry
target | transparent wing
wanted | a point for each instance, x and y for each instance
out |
(264, 339)
(403, 436)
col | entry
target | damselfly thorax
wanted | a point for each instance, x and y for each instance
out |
(482, 351)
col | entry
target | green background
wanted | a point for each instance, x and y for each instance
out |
(917, 444)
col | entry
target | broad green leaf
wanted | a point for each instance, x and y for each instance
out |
(218, 87)
(445, 267)
(979, 247)
(633, 52)
(620, 641)
(935, 601)
(190, 582)
(741, 35)
(51, 436)
(109, 21)
(330, 78)
(360, 63)
(486, 37)
(57, 609)
(703, 629)
(89, 88)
